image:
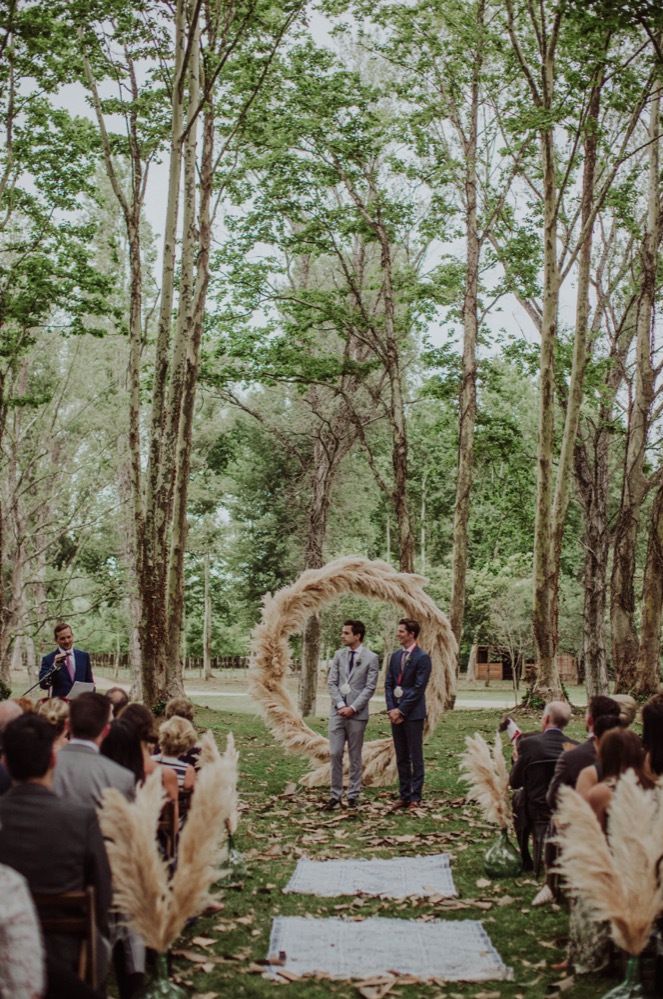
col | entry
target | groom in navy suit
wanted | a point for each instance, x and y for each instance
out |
(405, 691)
(73, 664)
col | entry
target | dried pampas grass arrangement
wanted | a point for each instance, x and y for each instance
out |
(156, 907)
(618, 878)
(286, 613)
(485, 772)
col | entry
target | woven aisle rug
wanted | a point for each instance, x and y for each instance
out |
(397, 877)
(453, 950)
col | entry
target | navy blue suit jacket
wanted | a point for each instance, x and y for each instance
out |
(412, 704)
(62, 683)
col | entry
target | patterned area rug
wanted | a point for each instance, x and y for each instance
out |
(451, 950)
(397, 877)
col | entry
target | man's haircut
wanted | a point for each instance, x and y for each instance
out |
(358, 627)
(88, 715)
(601, 705)
(559, 713)
(412, 626)
(28, 747)
(60, 626)
(652, 732)
(119, 700)
(604, 723)
(179, 707)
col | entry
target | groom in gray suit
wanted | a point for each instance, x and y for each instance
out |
(353, 677)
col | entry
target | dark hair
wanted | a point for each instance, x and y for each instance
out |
(620, 750)
(117, 702)
(122, 744)
(142, 719)
(28, 747)
(412, 626)
(602, 705)
(358, 627)
(60, 626)
(179, 707)
(652, 732)
(604, 723)
(88, 715)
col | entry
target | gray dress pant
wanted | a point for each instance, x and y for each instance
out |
(342, 730)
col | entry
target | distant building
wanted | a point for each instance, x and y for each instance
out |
(495, 663)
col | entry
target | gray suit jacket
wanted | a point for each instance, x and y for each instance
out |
(81, 775)
(363, 681)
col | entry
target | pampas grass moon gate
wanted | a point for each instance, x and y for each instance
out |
(285, 614)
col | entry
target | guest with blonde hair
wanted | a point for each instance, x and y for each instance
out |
(56, 712)
(176, 737)
(182, 707)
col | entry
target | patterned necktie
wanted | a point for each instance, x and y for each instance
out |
(351, 663)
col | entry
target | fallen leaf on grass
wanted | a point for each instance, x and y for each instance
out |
(205, 941)
(374, 991)
(289, 790)
(289, 976)
(483, 883)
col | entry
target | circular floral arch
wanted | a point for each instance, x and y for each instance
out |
(285, 614)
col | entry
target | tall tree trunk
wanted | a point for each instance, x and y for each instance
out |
(593, 489)
(468, 391)
(547, 682)
(625, 643)
(207, 624)
(324, 470)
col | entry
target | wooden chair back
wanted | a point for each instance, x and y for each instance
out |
(73, 913)
(168, 829)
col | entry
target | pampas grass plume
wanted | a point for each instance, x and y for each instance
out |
(158, 908)
(485, 772)
(618, 877)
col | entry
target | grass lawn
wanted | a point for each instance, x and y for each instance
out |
(277, 828)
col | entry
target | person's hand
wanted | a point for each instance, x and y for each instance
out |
(346, 712)
(395, 716)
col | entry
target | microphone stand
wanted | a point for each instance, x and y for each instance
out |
(46, 676)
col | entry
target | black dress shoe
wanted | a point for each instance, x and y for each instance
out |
(330, 805)
(352, 802)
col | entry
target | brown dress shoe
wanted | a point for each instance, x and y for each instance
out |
(398, 806)
(413, 806)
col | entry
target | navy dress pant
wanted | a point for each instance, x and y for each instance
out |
(409, 745)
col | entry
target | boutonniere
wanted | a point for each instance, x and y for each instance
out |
(358, 663)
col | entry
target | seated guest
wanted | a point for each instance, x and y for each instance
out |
(143, 721)
(618, 750)
(71, 665)
(591, 775)
(21, 952)
(56, 711)
(628, 708)
(123, 745)
(177, 736)
(652, 734)
(532, 770)
(118, 698)
(182, 707)
(82, 774)
(55, 845)
(8, 711)
(570, 763)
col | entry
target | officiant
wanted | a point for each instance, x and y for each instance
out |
(353, 677)
(71, 665)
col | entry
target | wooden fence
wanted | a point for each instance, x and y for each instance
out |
(111, 660)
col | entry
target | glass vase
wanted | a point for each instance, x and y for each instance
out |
(501, 859)
(631, 987)
(158, 984)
